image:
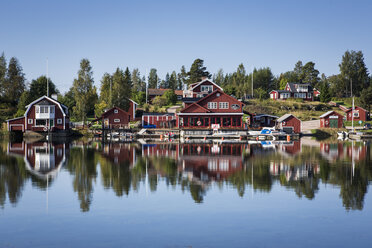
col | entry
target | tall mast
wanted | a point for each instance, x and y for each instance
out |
(252, 80)
(47, 78)
(352, 108)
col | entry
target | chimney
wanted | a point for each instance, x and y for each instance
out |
(204, 78)
(54, 96)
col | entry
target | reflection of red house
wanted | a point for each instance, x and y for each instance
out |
(210, 162)
(120, 153)
(216, 108)
(169, 150)
(291, 148)
(331, 119)
(360, 114)
(42, 114)
(340, 150)
(42, 159)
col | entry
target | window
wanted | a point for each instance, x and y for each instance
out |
(52, 109)
(356, 113)
(207, 88)
(212, 105)
(116, 120)
(226, 122)
(59, 121)
(37, 109)
(185, 122)
(224, 105)
(40, 122)
(206, 122)
(30, 121)
(116, 111)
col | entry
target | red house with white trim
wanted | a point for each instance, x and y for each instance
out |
(201, 89)
(41, 115)
(294, 90)
(216, 108)
(289, 123)
(360, 114)
(331, 119)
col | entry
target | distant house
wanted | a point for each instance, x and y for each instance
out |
(360, 114)
(289, 123)
(217, 109)
(331, 119)
(152, 93)
(42, 115)
(118, 118)
(296, 91)
(159, 120)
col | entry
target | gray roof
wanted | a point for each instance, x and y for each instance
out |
(284, 117)
(326, 114)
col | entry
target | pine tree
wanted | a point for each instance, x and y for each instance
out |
(153, 79)
(197, 72)
(38, 88)
(182, 78)
(122, 88)
(14, 84)
(173, 81)
(3, 71)
(84, 91)
(325, 94)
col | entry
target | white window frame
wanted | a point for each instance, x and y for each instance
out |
(59, 121)
(51, 109)
(207, 88)
(223, 105)
(212, 105)
(37, 109)
(30, 121)
(116, 120)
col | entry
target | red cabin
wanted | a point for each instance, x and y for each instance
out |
(331, 119)
(42, 115)
(159, 120)
(360, 114)
(216, 110)
(289, 123)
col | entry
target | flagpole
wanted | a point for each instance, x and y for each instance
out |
(47, 78)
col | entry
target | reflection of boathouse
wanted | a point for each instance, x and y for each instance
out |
(209, 161)
(41, 159)
(293, 173)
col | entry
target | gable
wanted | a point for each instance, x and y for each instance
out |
(194, 108)
(44, 100)
(205, 82)
(112, 112)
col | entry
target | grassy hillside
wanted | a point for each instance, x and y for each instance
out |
(305, 111)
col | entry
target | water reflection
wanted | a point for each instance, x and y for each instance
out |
(299, 166)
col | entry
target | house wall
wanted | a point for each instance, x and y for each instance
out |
(160, 121)
(363, 115)
(325, 121)
(17, 125)
(122, 116)
(292, 122)
(57, 115)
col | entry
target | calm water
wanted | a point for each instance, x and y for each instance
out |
(90, 194)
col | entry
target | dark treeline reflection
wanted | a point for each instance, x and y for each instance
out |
(194, 168)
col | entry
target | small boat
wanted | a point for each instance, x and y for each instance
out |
(263, 131)
(342, 135)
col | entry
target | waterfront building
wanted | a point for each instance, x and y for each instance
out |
(45, 114)
(331, 119)
(360, 114)
(289, 124)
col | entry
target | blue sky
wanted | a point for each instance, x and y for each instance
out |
(168, 34)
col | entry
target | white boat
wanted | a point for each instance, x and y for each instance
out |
(263, 131)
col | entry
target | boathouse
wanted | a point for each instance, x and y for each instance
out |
(360, 114)
(331, 119)
(42, 115)
(159, 120)
(216, 110)
(289, 124)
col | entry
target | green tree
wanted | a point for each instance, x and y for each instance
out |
(173, 81)
(106, 90)
(14, 84)
(159, 101)
(99, 108)
(3, 72)
(309, 74)
(366, 98)
(38, 88)
(197, 72)
(23, 102)
(122, 88)
(68, 99)
(170, 96)
(138, 83)
(325, 95)
(153, 79)
(85, 94)
(298, 71)
(283, 82)
(182, 78)
(353, 70)
(219, 77)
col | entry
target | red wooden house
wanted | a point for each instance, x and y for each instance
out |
(331, 119)
(294, 90)
(42, 115)
(116, 117)
(360, 114)
(198, 90)
(289, 123)
(159, 120)
(217, 108)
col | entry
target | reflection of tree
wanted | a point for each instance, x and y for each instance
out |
(116, 176)
(12, 178)
(82, 165)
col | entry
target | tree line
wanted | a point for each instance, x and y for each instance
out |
(118, 87)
